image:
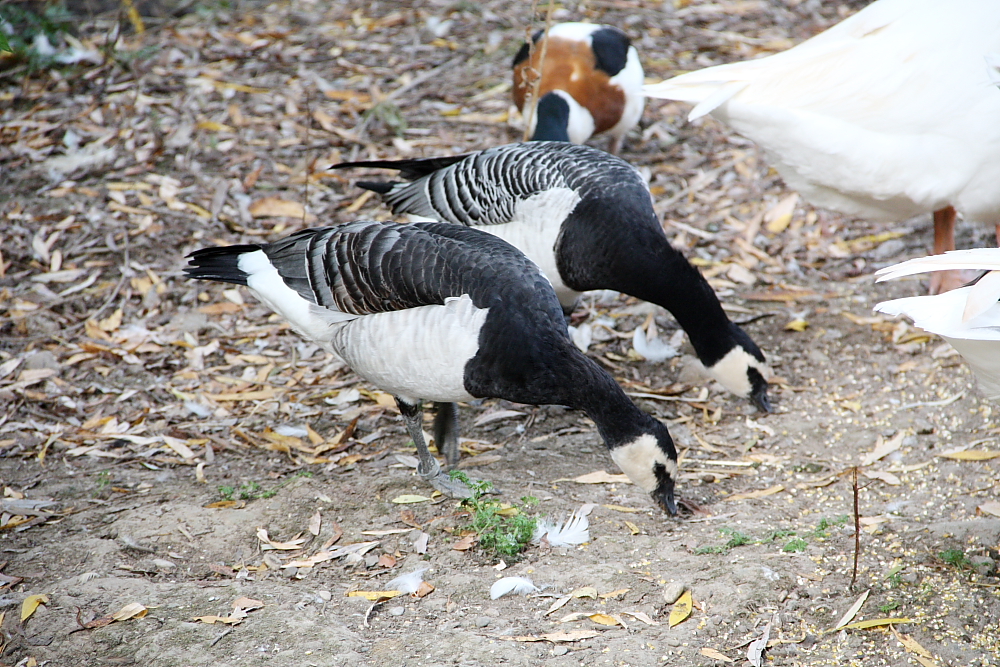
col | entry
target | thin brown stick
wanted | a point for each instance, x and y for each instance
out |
(857, 528)
(537, 84)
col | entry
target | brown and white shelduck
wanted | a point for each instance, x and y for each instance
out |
(591, 82)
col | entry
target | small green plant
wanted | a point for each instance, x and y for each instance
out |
(795, 545)
(825, 524)
(956, 558)
(21, 26)
(227, 492)
(103, 480)
(736, 539)
(889, 606)
(892, 576)
(503, 530)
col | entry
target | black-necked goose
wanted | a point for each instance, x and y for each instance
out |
(586, 218)
(891, 113)
(591, 82)
(433, 311)
(967, 317)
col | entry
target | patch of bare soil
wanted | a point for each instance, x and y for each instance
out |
(173, 445)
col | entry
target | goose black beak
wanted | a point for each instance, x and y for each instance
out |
(760, 399)
(664, 496)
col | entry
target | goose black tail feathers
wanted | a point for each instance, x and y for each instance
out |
(378, 187)
(219, 264)
(411, 170)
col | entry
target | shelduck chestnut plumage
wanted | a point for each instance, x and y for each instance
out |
(889, 114)
(586, 219)
(591, 82)
(439, 312)
(967, 317)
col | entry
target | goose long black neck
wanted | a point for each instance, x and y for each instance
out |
(649, 268)
(541, 366)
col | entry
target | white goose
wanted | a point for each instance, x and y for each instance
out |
(586, 218)
(591, 82)
(967, 317)
(889, 114)
(438, 312)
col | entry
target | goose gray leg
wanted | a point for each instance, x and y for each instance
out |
(446, 432)
(427, 466)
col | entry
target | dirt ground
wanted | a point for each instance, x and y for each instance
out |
(152, 429)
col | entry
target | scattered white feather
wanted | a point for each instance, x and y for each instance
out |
(515, 585)
(407, 583)
(650, 347)
(291, 431)
(582, 336)
(575, 530)
(198, 409)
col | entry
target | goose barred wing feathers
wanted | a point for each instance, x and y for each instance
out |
(485, 188)
(362, 268)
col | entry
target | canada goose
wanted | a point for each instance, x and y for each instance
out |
(591, 82)
(889, 114)
(586, 218)
(439, 312)
(967, 317)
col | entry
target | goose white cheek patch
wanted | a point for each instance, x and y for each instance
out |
(731, 371)
(638, 459)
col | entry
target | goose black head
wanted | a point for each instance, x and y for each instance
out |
(650, 461)
(744, 371)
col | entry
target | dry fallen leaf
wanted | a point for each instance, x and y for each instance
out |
(912, 645)
(597, 477)
(634, 529)
(990, 507)
(886, 477)
(133, 610)
(884, 447)
(274, 207)
(31, 603)
(756, 494)
(970, 455)
(407, 499)
(465, 543)
(681, 609)
(853, 611)
(715, 655)
(373, 595)
(315, 523)
(797, 325)
(873, 623)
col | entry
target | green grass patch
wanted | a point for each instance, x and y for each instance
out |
(504, 530)
(956, 558)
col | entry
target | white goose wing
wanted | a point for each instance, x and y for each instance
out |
(888, 114)
(968, 317)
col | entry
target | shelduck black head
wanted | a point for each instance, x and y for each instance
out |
(650, 461)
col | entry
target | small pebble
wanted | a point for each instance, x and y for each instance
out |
(397, 611)
(164, 565)
(289, 572)
(560, 650)
(672, 641)
(673, 591)
(325, 596)
(483, 621)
